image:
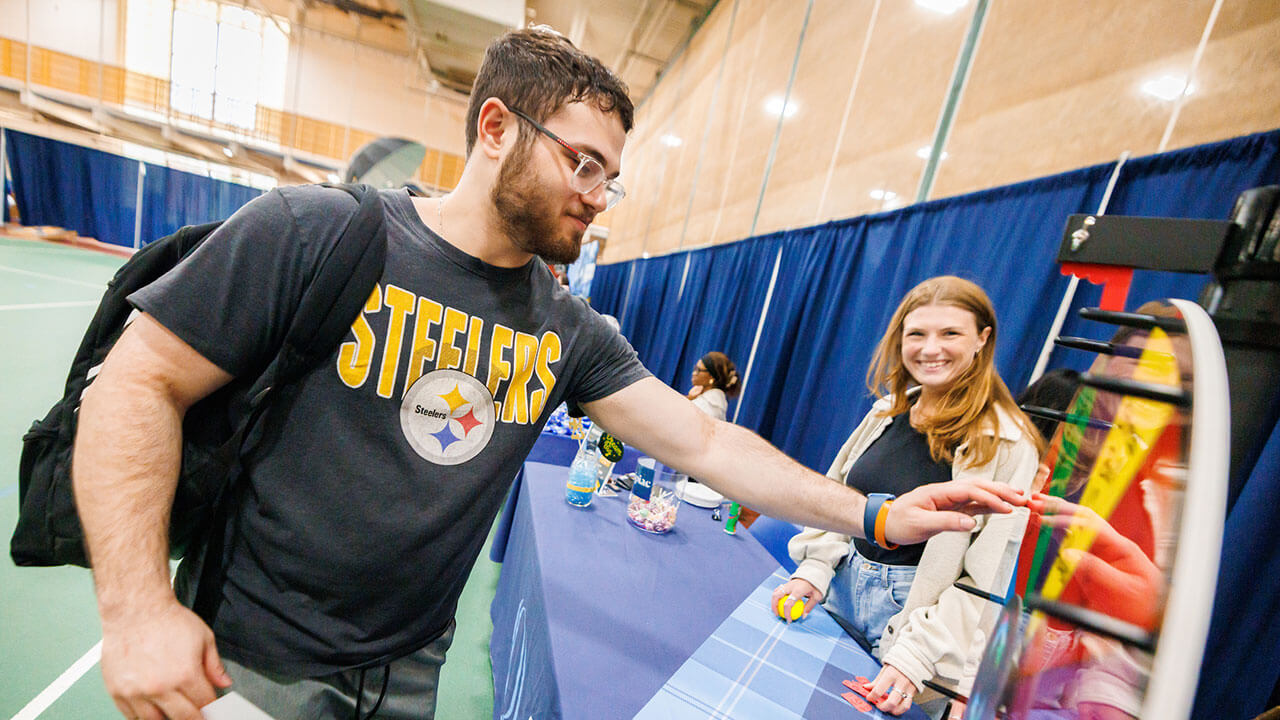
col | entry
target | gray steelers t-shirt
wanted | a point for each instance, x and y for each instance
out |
(378, 475)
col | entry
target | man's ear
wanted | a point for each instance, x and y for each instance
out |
(494, 125)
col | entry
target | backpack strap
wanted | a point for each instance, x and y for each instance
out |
(339, 290)
(334, 297)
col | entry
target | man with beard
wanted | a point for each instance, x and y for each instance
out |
(379, 473)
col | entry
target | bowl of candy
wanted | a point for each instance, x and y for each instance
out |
(653, 504)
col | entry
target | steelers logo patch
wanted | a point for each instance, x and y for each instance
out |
(447, 416)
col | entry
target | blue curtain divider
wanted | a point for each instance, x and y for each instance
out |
(726, 286)
(839, 283)
(95, 193)
(1197, 183)
(656, 285)
(608, 287)
(718, 307)
(173, 198)
(78, 188)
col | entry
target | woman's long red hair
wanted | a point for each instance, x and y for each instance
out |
(966, 412)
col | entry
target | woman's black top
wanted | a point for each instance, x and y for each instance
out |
(897, 462)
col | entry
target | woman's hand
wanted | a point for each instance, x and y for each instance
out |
(695, 391)
(791, 591)
(891, 691)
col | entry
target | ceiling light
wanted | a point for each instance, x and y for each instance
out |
(1167, 87)
(228, 152)
(776, 105)
(946, 7)
(671, 140)
(924, 153)
(879, 194)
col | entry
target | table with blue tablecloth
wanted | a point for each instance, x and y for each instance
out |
(594, 618)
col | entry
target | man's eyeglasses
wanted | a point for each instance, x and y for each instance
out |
(590, 173)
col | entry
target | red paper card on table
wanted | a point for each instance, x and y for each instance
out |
(856, 701)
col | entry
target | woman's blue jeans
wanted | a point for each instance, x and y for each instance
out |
(865, 594)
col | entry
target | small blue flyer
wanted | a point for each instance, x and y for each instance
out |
(643, 485)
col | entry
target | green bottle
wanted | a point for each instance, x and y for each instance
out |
(731, 522)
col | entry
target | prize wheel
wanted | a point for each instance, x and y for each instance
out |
(1119, 580)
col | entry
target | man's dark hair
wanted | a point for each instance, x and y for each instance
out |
(538, 71)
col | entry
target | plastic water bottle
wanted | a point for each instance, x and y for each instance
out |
(582, 481)
(582, 473)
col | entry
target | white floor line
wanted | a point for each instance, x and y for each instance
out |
(99, 286)
(60, 686)
(42, 306)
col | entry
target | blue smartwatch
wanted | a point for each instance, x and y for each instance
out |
(873, 517)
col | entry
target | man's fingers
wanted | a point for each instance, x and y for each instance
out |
(1005, 493)
(213, 668)
(951, 520)
(974, 498)
(125, 708)
(176, 706)
(943, 507)
(143, 710)
(199, 692)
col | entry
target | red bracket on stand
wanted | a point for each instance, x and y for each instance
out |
(1114, 279)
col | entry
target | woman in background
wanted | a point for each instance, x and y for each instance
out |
(715, 380)
(942, 415)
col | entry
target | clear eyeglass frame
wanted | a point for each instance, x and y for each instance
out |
(589, 174)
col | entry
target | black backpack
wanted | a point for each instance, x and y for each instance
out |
(214, 429)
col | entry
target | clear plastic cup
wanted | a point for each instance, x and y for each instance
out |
(653, 504)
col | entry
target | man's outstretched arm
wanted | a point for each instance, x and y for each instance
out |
(740, 464)
(158, 658)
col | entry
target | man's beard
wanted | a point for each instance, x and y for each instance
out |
(523, 213)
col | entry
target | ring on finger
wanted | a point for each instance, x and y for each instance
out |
(903, 693)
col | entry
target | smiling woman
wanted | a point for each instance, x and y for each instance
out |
(943, 415)
(942, 339)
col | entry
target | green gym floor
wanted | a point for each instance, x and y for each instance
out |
(49, 628)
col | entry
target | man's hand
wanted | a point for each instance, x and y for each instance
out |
(161, 665)
(947, 506)
(739, 464)
(158, 658)
(795, 590)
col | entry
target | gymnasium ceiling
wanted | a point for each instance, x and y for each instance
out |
(636, 38)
